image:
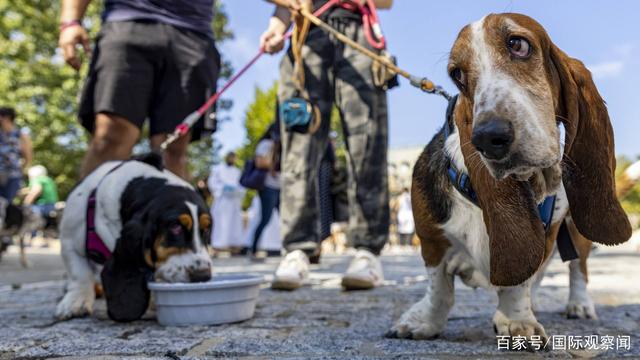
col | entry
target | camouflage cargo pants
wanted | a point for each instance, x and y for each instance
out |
(336, 74)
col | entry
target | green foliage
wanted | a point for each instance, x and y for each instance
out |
(257, 118)
(631, 202)
(35, 80)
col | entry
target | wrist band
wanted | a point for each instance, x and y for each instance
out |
(68, 24)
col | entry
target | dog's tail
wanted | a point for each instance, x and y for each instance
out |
(628, 179)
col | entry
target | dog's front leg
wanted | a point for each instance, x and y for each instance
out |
(80, 295)
(580, 305)
(514, 316)
(428, 317)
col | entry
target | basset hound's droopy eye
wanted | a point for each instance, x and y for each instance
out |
(519, 47)
(458, 77)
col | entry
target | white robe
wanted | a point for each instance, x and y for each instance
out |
(224, 184)
(405, 215)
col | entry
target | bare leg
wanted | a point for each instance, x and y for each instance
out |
(175, 156)
(113, 139)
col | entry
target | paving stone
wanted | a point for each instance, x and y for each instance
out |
(318, 321)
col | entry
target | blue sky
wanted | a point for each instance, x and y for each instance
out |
(605, 35)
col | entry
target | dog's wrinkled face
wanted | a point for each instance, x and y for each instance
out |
(179, 252)
(500, 65)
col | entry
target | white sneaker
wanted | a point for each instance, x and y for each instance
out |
(292, 272)
(364, 272)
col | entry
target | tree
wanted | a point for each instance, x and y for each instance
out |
(44, 91)
(631, 201)
(257, 118)
(34, 80)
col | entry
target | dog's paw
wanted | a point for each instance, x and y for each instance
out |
(530, 329)
(75, 304)
(581, 310)
(413, 331)
(416, 324)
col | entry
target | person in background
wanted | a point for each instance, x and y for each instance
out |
(335, 74)
(16, 154)
(42, 192)
(224, 184)
(267, 157)
(153, 59)
(406, 226)
(202, 187)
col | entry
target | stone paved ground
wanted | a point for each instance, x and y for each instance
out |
(319, 321)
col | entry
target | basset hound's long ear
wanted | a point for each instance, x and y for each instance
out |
(124, 276)
(589, 162)
(516, 234)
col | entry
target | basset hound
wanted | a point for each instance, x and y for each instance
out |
(131, 222)
(503, 145)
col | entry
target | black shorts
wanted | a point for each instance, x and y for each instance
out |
(149, 70)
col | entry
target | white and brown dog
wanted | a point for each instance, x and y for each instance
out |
(500, 154)
(140, 222)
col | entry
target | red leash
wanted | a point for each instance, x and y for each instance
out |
(369, 21)
(192, 118)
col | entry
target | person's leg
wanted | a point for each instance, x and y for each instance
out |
(175, 156)
(268, 202)
(12, 188)
(3, 190)
(113, 139)
(301, 155)
(364, 110)
(116, 96)
(302, 152)
(184, 82)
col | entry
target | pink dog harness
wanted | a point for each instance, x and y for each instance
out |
(96, 249)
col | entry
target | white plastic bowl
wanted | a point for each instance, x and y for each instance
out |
(223, 299)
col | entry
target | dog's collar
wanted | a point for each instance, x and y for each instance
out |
(462, 182)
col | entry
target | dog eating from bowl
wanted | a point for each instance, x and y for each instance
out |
(131, 222)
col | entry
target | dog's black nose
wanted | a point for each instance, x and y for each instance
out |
(493, 138)
(200, 275)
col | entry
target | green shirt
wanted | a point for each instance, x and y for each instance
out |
(49, 193)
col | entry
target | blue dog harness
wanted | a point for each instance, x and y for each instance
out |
(462, 182)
